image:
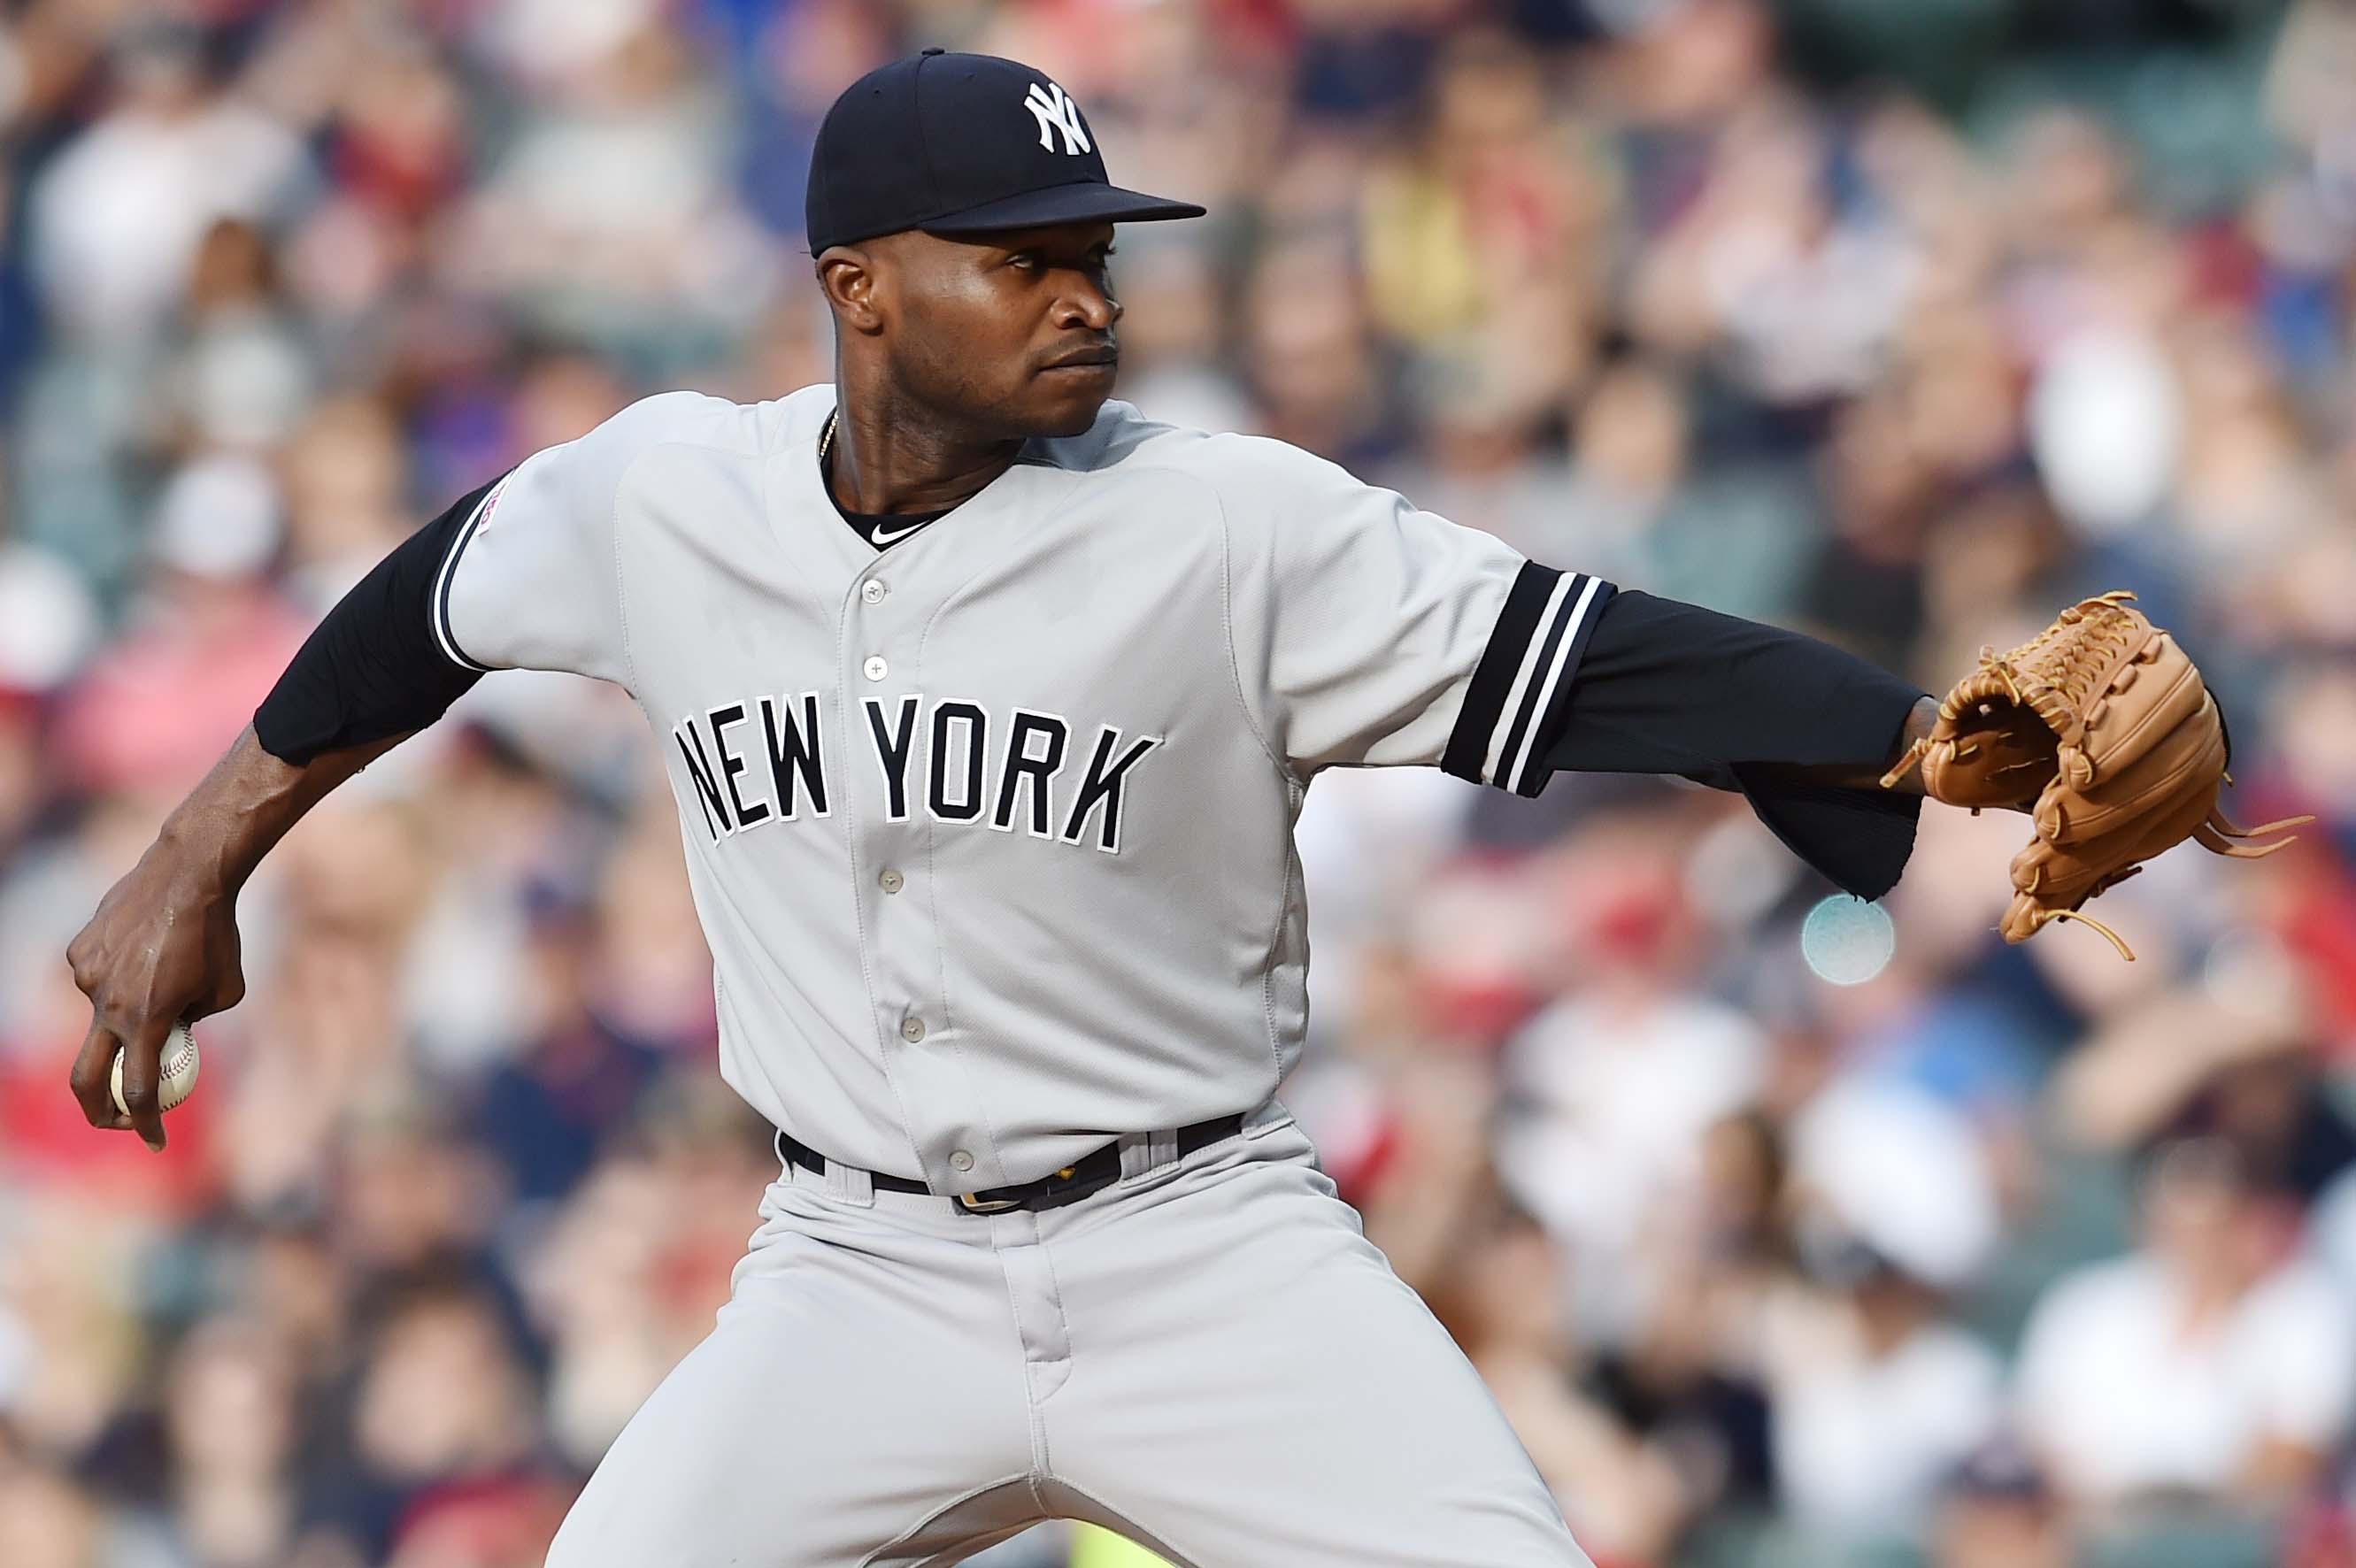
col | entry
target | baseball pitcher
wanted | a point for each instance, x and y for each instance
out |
(989, 704)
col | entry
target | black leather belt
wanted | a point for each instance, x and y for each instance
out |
(1091, 1173)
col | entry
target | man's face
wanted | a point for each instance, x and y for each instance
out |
(2001, 1532)
(2198, 1214)
(1007, 333)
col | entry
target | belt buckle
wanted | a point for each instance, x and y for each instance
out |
(974, 1205)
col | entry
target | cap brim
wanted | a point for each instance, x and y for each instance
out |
(1084, 201)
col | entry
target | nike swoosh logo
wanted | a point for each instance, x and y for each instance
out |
(882, 538)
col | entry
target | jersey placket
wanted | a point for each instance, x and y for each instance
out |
(892, 844)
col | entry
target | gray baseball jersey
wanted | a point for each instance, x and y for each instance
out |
(990, 831)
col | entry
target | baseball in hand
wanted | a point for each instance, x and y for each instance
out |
(178, 1078)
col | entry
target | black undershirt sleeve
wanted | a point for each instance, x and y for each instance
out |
(1668, 687)
(373, 669)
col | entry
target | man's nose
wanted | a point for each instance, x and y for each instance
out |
(1086, 306)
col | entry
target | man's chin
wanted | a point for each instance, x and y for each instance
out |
(1069, 416)
(1067, 398)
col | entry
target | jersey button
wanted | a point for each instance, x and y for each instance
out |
(890, 879)
(911, 1030)
(871, 591)
(960, 1161)
(875, 669)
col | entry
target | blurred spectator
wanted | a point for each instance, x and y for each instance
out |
(229, 1418)
(1623, 1497)
(2204, 1363)
(1622, 1081)
(46, 1522)
(441, 1410)
(1876, 1396)
(1999, 1511)
(123, 211)
(211, 637)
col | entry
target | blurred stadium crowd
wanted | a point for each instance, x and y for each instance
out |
(1903, 322)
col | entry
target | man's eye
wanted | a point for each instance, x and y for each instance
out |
(1023, 261)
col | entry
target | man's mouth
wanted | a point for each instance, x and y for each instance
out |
(1104, 357)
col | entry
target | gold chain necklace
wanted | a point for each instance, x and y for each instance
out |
(826, 441)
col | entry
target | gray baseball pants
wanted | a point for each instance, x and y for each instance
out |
(1208, 1358)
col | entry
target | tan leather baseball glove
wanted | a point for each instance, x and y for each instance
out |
(2104, 732)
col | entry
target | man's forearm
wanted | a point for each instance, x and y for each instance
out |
(1918, 719)
(164, 945)
(1803, 728)
(1674, 689)
(247, 803)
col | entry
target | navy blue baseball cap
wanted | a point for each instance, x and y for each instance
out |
(961, 145)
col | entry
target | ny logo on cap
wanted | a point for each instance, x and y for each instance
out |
(1056, 112)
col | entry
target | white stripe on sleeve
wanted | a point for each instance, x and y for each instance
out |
(1521, 681)
(440, 606)
(1544, 699)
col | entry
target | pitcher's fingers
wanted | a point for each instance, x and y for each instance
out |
(93, 1066)
(143, 1075)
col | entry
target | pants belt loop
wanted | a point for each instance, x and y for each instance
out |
(1162, 1149)
(850, 1184)
(1136, 1154)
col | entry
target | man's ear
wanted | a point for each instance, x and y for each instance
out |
(847, 275)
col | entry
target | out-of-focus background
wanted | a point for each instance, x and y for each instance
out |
(1904, 321)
